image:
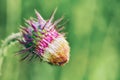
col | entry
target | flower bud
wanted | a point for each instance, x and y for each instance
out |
(41, 38)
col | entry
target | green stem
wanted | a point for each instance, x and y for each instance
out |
(6, 42)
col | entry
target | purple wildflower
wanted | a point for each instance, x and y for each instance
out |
(41, 38)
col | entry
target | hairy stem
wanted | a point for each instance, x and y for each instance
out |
(6, 42)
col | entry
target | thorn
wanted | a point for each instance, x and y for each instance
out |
(34, 27)
(60, 29)
(39, 16)
(24, 29)
(32, 56)
(21, 27)
(59, 20)
(63, 34)
(40, 19)
(25, 19)
(25, 57)
(52, 16)
(22, 42)
(28, 21)
(64, 23)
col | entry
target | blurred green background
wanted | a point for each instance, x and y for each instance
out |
(93, 32)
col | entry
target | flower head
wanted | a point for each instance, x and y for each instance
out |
(42, 39)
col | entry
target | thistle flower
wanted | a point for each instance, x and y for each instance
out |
(42, 39)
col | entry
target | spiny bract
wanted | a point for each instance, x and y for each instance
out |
(42, 39)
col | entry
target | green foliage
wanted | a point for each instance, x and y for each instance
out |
(93, 33)
(10, 62)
